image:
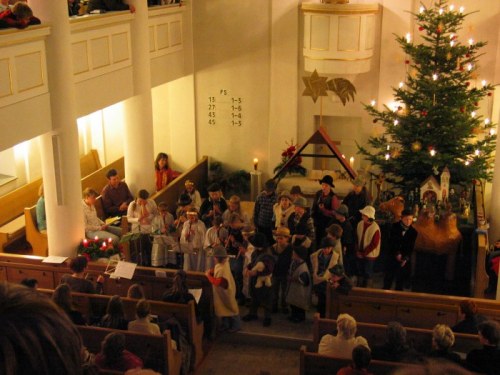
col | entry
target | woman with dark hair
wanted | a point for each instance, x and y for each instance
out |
(136, 291)
(77, 281)
(178, 292)
(115, 316)
(472, 319)
(163, 173)
(62, 298)
(114, 356)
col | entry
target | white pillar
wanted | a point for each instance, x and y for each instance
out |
(284, 78)
(59, 149)
(138, 138)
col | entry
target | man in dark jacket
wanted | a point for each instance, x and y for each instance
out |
(402, 242)
(487, 359)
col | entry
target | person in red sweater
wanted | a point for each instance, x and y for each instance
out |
(163, 173)
(368, 234)
(20, 17)
(361, 358)
(114, 356)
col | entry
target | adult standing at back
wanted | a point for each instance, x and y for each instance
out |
(215, 205)
(263, 210)
(357, 199)
(116, 195)
(369, 239)
(402, 242)
(324, 205)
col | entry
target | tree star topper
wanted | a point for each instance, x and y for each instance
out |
(316, 86)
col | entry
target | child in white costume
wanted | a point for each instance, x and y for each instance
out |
(165, 244)
(216, 235)
(224, 290)
(192, 236)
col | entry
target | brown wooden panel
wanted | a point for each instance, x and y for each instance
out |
(3, 273)
(426, 316)
(364, 311)
(45, 278)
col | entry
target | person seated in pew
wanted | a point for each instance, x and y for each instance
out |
(114, 356)
(163, 173)
(442, 341)
(194, 194)
(20, 17)
(41, 219)
(471, 319)
(77, 281)
(143, 322)
(345, 341)
(108, 5)
(487, 359)
(62, 298)
(179, 292)
(136, 291)
(116, 195)
(37, 337)
(115, 315)
(30, 283)
(361, 358)
(339, 280)
(395, 348)
(95, 227)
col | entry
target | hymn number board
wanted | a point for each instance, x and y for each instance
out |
(225, 109)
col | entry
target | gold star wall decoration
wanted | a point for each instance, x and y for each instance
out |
(316, 86)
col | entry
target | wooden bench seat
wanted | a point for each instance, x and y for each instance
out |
(12, 217)
(156, 352)
(418, 338)
(318, 364)
(94, 305)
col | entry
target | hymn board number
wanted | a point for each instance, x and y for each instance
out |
(225, 109)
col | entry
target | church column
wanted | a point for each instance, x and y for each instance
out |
(59, 148)
(284, 78)
(138, 137)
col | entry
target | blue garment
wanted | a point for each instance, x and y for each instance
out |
(41, 220)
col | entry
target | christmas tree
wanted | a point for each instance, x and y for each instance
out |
(435, 123)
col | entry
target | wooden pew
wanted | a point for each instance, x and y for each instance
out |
(317, 364)
(155, 351)
(12, 219)
(37, 239)
(418, 338)
(420, 310)
(94, 305)
(97, 180)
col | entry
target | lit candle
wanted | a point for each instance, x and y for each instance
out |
(435, 77)
(471, 42)
(452, 8)
(469, 67)
(466, 162)
(85, 243)
(104, 244)
(373, 102)
(110, 240)
(96, 238)
(452, 43)
(422, 9)
(461, 9)
(408, 37)
(441, 10)
(255, 164)
(484, 83)
(401, 84)
(432, 152)
(477, 152)
(487, 121)
(396, 122)
(387, 156)
(351, 161)
(473, 114)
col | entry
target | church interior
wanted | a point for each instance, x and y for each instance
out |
(234, 85)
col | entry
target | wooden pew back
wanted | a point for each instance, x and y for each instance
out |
(155, 351)
(97, 180)
(37, 240)
(419, 310)
(317, 364)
